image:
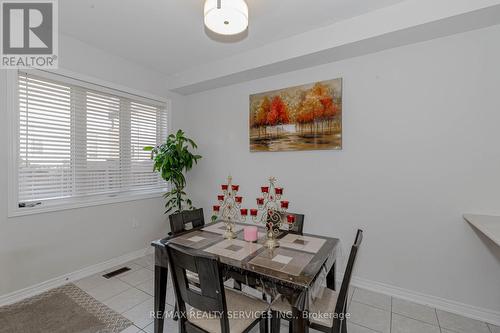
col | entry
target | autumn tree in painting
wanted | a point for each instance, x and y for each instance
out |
(278, 113)
(317, 109)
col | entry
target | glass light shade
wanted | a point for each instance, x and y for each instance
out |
(230, 19)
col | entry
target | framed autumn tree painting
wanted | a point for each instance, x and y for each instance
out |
(307, 117)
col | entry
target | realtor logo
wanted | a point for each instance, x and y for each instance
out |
(29, 34)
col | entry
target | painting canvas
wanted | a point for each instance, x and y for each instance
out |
(307, 117)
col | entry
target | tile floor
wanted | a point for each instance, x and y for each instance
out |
(131, 294)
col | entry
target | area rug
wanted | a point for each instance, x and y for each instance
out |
(66, 309)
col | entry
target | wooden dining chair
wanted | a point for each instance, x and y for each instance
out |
(179, 221)
(211, 307)
(331, 305)
(298, 226)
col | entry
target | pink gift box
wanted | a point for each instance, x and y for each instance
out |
(250, 234)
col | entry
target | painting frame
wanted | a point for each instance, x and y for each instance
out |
(304, 117)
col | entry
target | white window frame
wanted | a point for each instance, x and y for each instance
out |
(12, 107)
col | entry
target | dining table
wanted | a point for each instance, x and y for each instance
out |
(296, 270)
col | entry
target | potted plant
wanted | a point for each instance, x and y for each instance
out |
(172, 159)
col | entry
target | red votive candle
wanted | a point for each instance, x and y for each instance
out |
(244, 211)
(284, 204)
(220, 197)
(260, 201)
(238, 199)
(278, 190)
(290, 218)
(265, 189)
(253, 212)
(224, 187)
(216, 208)
(235, 187)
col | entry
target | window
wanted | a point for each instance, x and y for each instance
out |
(80, 142)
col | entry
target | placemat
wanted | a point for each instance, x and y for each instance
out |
(283, 260)
(220, 228)
(196, 239)
(234, 249)
(302, 243)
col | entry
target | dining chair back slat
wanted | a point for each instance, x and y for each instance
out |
(341, 306)
(210, 296)
(178, 221)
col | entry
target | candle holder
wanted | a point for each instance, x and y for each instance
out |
(270, 211)
(229, 208)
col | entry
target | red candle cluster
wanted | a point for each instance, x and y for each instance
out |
(229, 191)
(260, 201)
(253, 212)
(265, 189)
(284, 204)
(278, 190)
(290, 218)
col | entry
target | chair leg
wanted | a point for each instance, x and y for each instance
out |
(275, 322)
(290, 328)
(344, 326)
(176, 312)
(264, 325)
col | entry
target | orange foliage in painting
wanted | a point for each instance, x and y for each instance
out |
(317, 105)
(278, 113)
(262, 112)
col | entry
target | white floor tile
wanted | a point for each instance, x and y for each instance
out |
(147, 286)
(141, 315)
(415, 311)
(372, 298)
(146, 262)
(353, 328)
(170, 326)
(370, 317)
(131, 329)
(127, 300)
(460, 324)
(494, 329)
(108, 289)
(402, 324)
(133, 267)
(136, 277)
(91, 282)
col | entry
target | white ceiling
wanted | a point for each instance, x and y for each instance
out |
(169, 36)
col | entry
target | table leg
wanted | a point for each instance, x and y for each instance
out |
(299, 323)
(330, 278)
(161, 277)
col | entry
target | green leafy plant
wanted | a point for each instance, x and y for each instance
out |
(172, 159)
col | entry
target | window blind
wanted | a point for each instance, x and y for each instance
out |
(80, 141)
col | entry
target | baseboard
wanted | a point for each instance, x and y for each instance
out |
(470, 311)
(70, 277)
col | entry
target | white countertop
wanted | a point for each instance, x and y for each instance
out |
(488, 225)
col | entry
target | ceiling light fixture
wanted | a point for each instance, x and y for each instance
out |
(226, 17)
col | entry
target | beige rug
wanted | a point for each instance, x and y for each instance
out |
(66, 309)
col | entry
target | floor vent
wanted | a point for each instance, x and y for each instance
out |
(116, 272)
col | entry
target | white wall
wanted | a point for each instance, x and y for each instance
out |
(36, 248)
(421, 136)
